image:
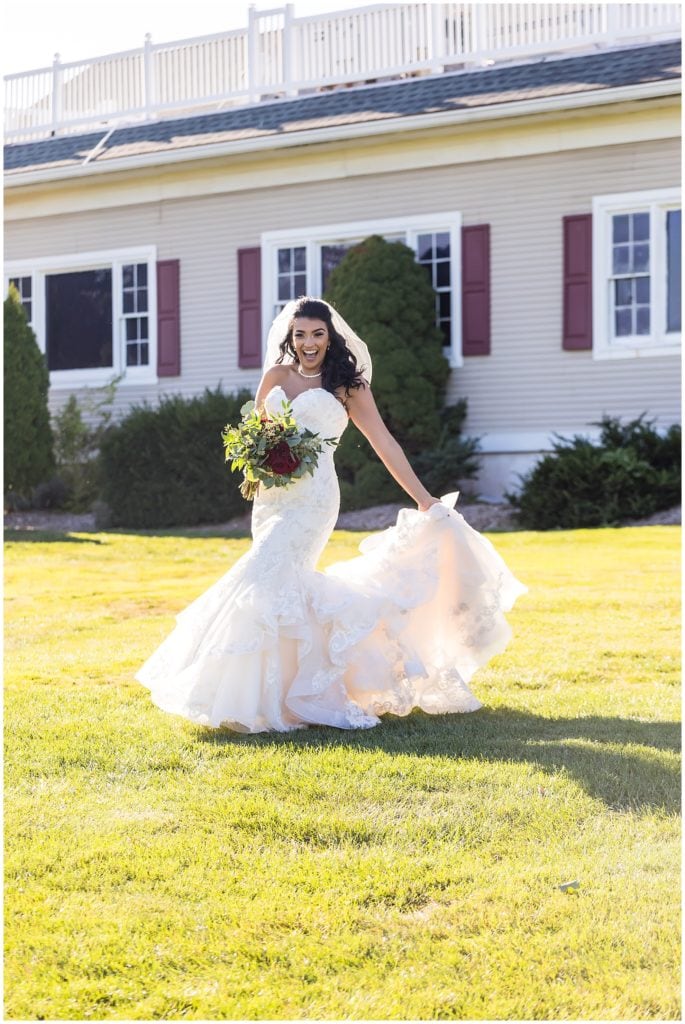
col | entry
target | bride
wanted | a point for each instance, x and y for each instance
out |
(276, 645)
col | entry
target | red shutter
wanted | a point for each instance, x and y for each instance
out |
(577, 327)
(168, 318)
(249, 307)
(475, 290)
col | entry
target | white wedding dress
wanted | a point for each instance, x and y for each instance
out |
(276, 645)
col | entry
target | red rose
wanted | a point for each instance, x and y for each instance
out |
(281, 460)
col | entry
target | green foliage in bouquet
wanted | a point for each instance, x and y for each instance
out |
(633, 471)
(164, 466)
(29, 458)
(388, 299)
(271, 450)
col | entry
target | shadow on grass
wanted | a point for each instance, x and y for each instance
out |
(47, 537)
(584, 748)
(191, 533)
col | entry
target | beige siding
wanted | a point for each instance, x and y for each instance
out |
(527, 384)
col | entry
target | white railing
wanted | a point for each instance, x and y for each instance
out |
(279, 55)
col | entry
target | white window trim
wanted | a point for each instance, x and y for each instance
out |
(313, 237)
(115, 259)
(659, 343)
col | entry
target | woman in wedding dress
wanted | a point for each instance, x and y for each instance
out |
(276, 645)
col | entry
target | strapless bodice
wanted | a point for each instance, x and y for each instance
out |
(316, 409)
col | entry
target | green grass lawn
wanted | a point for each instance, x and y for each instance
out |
(155, 869)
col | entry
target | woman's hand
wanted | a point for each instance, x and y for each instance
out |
(425, 505)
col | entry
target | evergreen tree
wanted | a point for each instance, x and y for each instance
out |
(387, 297)
(29, 458)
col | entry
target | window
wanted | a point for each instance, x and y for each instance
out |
(24, 286)
(333, 253)
(135, 309)
(292, 273)
(630, 274)
(93, 314)
(331, 256)
(673, 296)
(636, 258)
(433, 253)
(300, 262)
(78, 320)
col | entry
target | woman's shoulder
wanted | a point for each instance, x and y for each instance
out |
(274, 376)
(278, 374)
(361, 392)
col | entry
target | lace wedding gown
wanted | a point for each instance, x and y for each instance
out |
(275, 645)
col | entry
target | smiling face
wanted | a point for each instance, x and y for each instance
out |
(310, 340)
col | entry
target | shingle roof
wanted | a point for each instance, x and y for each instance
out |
(496, 86)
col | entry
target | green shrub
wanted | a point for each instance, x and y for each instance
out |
(663, 451)
(52, 494)
(77, 447)
(632, 471)
(453, 459)
(165, 466)
(387, 297)
(29, 458)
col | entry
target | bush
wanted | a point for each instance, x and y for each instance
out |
(453, 459)
(165, 466)
(387, 297)
(633, 471)
(77, 446)
(29, 458)
(52, 494)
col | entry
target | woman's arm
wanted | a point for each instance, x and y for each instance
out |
(364, 414)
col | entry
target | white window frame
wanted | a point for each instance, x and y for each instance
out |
(657, 202)
(115, 260)
(313, 237)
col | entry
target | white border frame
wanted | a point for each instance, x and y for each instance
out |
(314, 236)
(115, 259)
(659, 342)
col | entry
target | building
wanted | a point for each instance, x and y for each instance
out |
(162, 205)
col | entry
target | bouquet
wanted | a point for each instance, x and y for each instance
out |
(271, 450)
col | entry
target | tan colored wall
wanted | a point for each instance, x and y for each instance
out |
(527, 384)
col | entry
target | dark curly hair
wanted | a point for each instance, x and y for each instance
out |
(339, 366)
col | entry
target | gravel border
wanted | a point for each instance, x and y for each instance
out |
(481, 516)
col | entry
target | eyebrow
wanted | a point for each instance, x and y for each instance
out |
(317, 330)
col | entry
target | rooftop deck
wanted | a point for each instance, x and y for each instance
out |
(281, 56)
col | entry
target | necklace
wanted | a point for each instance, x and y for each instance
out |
(309, 376)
